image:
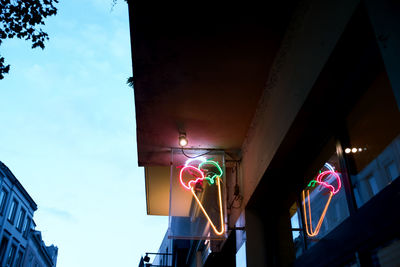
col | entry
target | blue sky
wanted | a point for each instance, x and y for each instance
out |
(68, 134)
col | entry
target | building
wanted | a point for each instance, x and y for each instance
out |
(300, 100)
(38, 254)
(17, 232)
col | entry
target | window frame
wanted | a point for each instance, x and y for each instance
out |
(3, 202)
(13, 211)
(27, 226)
(20, 221)
(12, 251)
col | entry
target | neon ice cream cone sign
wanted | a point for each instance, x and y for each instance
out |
(320, 180)
(202, 170)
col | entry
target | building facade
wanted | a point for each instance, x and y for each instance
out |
(303, 99)
(16, 217)
(38, 254)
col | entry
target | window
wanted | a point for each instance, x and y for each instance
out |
(3, 200)
(322, 205)
(21, 219)
(11, 255)
(13, 211)
(241, 260)
(3, 247)
(374, 133)
(18, 261)
(297, 233)
(26, 227)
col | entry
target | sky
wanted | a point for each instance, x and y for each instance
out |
(68, 134)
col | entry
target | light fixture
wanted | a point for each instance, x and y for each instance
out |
(182, 139)
(354, 150)
(347, 150)
(146, 258)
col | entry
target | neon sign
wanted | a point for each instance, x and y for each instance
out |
(209, 171)
(321, 179)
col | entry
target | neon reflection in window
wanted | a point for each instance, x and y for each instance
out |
(200, 169)
(325, 179)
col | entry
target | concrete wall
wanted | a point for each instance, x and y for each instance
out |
(310, 39)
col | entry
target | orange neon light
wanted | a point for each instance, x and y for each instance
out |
(222, 230)
(310, 231)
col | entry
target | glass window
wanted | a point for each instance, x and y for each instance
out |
(21, 219)
(323, 201)
(297, 233)
(323, 204)
(3, 200)
(241, 260)
(18, 261)
(374, 151)
(13, 211)
(11, 254)
(3, 247)
(27, 226)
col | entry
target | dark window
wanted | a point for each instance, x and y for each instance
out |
(13, 211)
(374, 135)
(27, 226)
(18, 260)
(3, 248)
(3, 200)
(21, 219)
(11, 255)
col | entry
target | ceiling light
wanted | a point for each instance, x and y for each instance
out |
(183, 140)
(347, 150)
(354, 150)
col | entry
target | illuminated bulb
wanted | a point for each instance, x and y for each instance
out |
(182, 140)
(354, 150)
(360, 149)
(347, 150)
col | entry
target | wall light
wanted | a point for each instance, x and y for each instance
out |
(146, 258)
(354, 150)
(182, 139)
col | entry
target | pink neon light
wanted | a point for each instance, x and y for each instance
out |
(326, 185)
(191, 181)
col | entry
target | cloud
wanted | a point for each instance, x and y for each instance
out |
(58, 213)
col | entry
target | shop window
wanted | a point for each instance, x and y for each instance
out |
(374, 140)
(322, 205)
(323, 201)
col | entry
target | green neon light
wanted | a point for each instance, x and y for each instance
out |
(312, 183)
(211, 179)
